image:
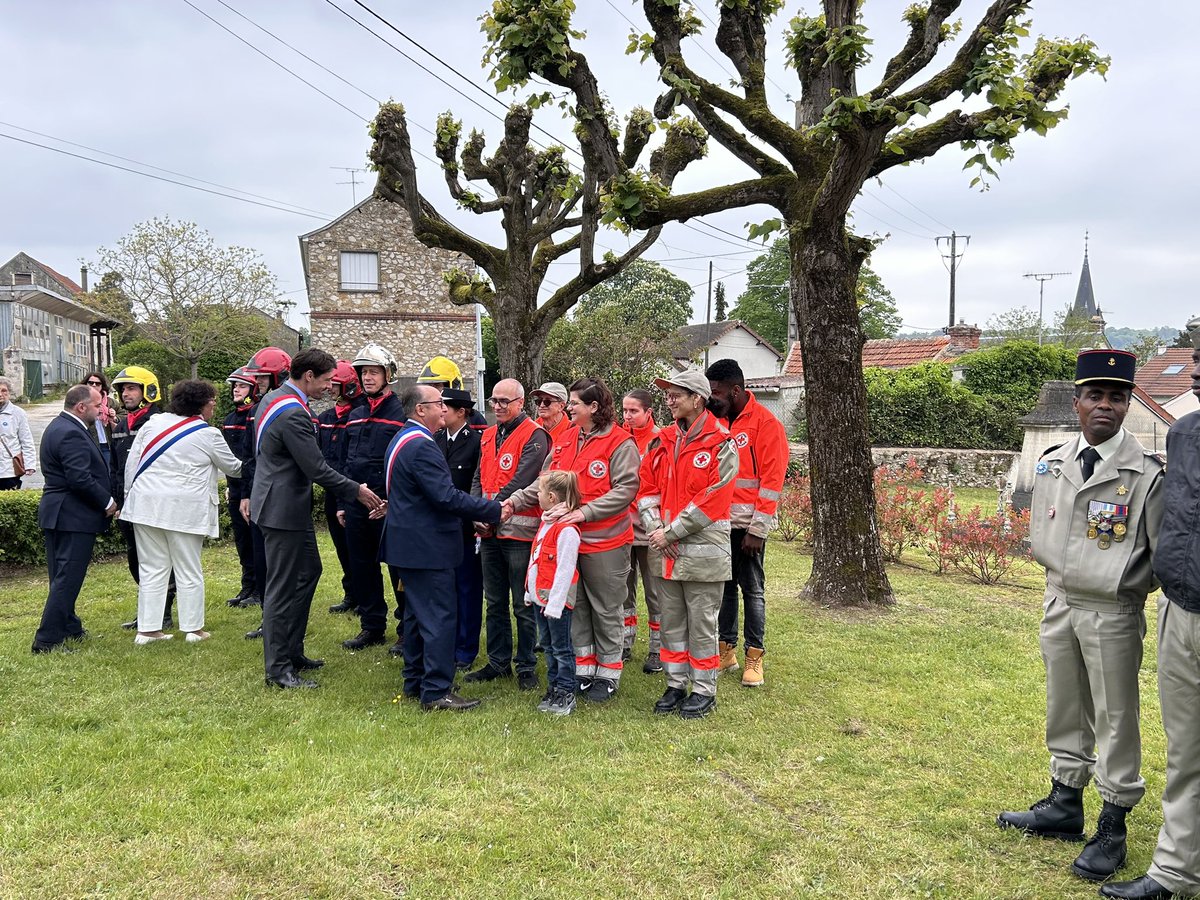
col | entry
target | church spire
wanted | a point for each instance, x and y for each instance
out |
(1085, 299)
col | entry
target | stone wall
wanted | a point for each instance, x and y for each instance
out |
(411, 313)
(970, 468)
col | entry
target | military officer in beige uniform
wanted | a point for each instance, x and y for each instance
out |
(1097, 504)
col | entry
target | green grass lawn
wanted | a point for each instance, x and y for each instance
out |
(871, 765)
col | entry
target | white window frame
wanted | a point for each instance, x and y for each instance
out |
(355, 270)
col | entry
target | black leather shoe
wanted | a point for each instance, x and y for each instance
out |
(601, 691)
(305, 664)
(528, 681)
(627, 654)
(1058, 815)
(670, 701)
(344, 607)
(451, 702)
(39, 647)
(250, 600)
(255, 635)
(290, 681)
(130, 626)
(365, 639)
(1144, 888)
(1105, 852)
(397, 649)
(237, 601)
(653, 664)
(488, 673)
(78, 638)
(697, 706)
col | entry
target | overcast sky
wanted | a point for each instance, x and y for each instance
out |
(157, 82)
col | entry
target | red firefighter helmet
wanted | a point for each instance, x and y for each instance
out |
(346, 378)
(239, 376)
(269, 361)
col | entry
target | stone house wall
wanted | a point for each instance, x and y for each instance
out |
(410, 314)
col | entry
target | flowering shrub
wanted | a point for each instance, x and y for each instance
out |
(986, 548)
(899, 508)
(938, 522)
(794, 514)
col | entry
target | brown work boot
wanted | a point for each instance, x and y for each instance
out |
(728, 658)
(753, 674)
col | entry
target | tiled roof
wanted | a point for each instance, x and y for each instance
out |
(1153, 406)
(693, 339)
(885, 354)
(72, 287)
(1154, 380)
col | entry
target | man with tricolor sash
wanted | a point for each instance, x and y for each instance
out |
(288, 461)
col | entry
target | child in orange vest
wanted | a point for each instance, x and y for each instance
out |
(550, 585)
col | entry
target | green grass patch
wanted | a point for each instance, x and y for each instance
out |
(872, 764)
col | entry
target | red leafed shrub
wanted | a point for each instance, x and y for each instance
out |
(984, 549)
(794, 515)
(899, 508)
(938, 542)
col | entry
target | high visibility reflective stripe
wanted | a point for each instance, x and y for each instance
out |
(745, 482)
(589, 660)
(655, 625)
(708, 662)
(742, 508)
(631, 620)
(525, 521)
(648, 501)
(615, 666)
(673, 656)
(702, 550)
(768, 494)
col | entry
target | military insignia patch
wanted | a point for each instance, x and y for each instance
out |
(1122, 491)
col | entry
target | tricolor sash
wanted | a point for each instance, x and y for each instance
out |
(163, 442)
(398, 442)
(278, 405)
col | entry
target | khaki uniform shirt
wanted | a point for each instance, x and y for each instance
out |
(1082, 567)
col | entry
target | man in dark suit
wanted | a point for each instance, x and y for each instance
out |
(423, 537)
(459, 441)
(288, 461)
(76, 505)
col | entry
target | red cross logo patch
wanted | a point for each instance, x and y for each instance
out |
(506, 461)
(742, 439)
(702, 459)
(597, 468)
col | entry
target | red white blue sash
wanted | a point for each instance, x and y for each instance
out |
(279, 405)
(163, 442)
(398, 443)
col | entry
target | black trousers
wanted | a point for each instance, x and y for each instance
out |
(366, 579)
(337, 532)
(293, 570)
(429, 623)
(241, 536)
(68, 554)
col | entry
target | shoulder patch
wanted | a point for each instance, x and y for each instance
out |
(1049, 450)
(1157, 457)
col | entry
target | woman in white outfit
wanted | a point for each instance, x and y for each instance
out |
(15, 439)
(171, 500)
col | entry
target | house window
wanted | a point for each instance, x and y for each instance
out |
(1172, 370)
(359, 271)
(22, 278)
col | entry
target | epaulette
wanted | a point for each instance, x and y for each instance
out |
(1050, 450)
(1157, 457)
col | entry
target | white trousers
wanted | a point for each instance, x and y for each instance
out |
(160, 552)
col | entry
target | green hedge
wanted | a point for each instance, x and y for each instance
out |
(21, 542)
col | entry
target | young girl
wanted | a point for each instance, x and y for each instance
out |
(551, 582)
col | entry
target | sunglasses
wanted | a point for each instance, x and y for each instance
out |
(545, 401)
(94, 383)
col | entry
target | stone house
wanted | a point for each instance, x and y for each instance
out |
(46, 336)
(370, 279)
(732, 339)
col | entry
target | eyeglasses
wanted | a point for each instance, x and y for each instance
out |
(501, 401)
(546, 401)
(674, 397)
(432, 403)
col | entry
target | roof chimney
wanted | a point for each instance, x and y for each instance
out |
(964, 336)
(83, 277)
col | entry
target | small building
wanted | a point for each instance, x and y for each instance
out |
(731, 339)
(370, 279)
(47, 337)
(1167, 378)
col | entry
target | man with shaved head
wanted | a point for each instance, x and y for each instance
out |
(511, 456)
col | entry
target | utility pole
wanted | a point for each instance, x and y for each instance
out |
(1042, 278)
(708, 313)
(954, 256)
(353, 182)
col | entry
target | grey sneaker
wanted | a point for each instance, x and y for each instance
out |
(547, 699)
(563, 704)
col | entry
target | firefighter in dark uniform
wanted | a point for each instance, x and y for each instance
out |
(245, 394)
(369, 430)
(347, 396)
(140, 397)
(270, 368)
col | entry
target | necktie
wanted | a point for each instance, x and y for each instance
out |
(1087, 461)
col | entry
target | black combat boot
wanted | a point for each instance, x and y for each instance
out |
(1059, 815)
(1105, 852)
(1144, 888)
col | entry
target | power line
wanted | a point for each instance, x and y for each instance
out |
(932, 218)
(878, 200)
(887, 224)
(193, 187)
(157, 168)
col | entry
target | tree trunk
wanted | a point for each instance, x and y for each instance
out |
(195, 369)
(847, 558)
(520, 337)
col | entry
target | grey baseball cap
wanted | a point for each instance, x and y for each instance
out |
(689, 380)
(551, 389)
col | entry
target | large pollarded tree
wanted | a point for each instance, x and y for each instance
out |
(809, 163)
(547, 212)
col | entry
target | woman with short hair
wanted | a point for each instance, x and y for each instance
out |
(16, 440)
(171, 499)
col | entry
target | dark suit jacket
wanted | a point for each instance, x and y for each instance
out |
(77, 490)
(288, 461)
(423, 527)
(462, 455)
